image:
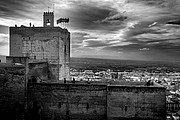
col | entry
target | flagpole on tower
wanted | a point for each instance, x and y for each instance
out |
(53, 6)
(48, 8)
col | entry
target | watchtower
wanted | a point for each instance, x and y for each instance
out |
(48, 19)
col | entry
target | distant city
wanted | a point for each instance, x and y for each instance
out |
(166, 74)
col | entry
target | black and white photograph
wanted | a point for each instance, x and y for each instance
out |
(89, 59)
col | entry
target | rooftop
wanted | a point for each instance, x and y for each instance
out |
(11, 65)
(114, 83)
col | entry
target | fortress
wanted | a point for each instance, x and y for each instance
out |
(99, 101)
(44, 54)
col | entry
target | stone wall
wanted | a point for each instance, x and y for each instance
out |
(69, 101)
(136, 102)
(43, 44)
(21, 60)
(40, 72)
(12, 91)
(84, 101)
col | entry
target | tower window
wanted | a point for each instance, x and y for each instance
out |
(48, 22)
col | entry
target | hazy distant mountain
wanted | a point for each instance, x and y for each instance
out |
(104, 64)
(3, 58)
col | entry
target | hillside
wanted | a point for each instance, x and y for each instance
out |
(118, 65)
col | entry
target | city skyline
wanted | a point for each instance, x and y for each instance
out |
(115, 29)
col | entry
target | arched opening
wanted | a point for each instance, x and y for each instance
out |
(48, 22)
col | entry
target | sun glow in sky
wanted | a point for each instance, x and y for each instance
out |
(115, 29)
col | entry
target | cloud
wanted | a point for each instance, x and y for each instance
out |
(4, 39)
(133, 29)
(161, 51)
(144, 49)
(117, 18)
(4, 50)
(78, 37)
(23, 11)
(95, 43)
(174, 22)
(4, 44)
(152, 24)
(4, 29)
(82, 17)
(15, 8)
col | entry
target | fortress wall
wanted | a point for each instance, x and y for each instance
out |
(12, 91)
(93, 101)
(136, 102)
(75, 101)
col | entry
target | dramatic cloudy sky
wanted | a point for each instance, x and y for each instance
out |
(114, 29)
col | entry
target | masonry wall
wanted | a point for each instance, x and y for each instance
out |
(136, 102)
(43, 44)
(84, 101)
(41, 72)
(21, 60)
(69, 101)
(12, 91)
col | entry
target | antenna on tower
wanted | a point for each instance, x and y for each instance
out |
(53, 6)
(48, 8)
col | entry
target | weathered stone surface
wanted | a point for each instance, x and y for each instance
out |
(12, 92)
(41, 72)
(72, 100)
(43, 44)
(136, 102)
(21, 60)
(84, 101)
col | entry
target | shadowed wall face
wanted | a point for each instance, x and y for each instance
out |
(20, 60)
(136, 102)
(41, 72)
(12, 92)
(67, 100)
(83, 101)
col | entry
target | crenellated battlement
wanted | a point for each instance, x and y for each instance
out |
(48, 13)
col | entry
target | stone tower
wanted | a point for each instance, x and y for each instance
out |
(48, 19)
(43, 44)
